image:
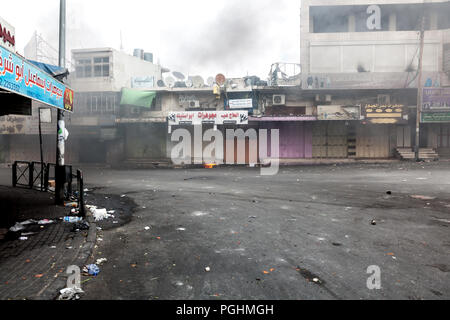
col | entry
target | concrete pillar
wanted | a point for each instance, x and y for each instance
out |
(351, 23)
(393, 22)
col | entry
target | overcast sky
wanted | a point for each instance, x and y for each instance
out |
(204, 37)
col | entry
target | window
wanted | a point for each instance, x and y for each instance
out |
(101, 67)
(96, 67)
(84, 68)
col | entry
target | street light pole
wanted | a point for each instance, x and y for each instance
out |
(420, 89)
(60, 170)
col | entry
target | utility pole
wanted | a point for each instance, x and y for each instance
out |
(60, 169)
(420, 88)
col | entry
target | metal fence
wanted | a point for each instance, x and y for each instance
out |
(39, 176)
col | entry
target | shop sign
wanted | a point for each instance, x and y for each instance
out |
(7, 35)
(21, 77)
(241, 104)
(436, 99)
(338, 112)
(208, 117)
(384, 114)
(435, 117)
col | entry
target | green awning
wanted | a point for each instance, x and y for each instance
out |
(137, 98)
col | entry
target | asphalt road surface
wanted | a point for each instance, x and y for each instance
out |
(306, 233)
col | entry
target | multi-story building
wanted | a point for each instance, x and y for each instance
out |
(366, 53)
(98, 79)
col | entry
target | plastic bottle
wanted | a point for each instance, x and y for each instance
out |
(72, 219)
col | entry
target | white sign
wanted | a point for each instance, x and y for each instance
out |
(45, 115)
(7, 35)
(208, 117)
(241, 104)
(143, 82)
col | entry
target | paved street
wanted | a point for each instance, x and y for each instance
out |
(269, 237)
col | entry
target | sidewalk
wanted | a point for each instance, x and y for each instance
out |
(34, 269)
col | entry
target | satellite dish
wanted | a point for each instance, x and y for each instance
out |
(170, 81)
(178, 75)
(220, 79)
(210, 81)
(189, 83)
(161, 84)
(198, 82)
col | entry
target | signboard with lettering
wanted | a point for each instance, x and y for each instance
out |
(143, 82)
(21, 77)
(7, 35)
(338, 113)
(208, 117)
(436, 99)
(384, 114)
(435, 117)
(241, 103)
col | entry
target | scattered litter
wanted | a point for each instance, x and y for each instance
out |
(39, 276)
(91, 269)
(111, 211)
(389, 192)
(71, 204)
(70, 293)
(373, 222)
(207, 269)
(181, 229)
(99, 214)
(17, 227)
(80, 226)
(316, 280)
(53, 247)
(72, 219)
(100, 261)
(266, 272)
(45, 221)
(23, 238)
(419, 197)
(28, 234)
(147, 228)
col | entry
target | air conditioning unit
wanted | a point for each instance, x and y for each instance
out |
(194, 104)
(279, 99)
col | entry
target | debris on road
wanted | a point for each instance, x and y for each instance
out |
(91, 269)
(80, 226)
(420, 197)
(207, 269)
(388, 192)
(100, 261)
(147, 228)
(72, 219)
(99, 214)
(70, 293)
(373, 222)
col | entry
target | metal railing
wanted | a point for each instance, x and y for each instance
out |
(37, 176)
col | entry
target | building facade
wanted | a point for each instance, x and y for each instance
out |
(366, 53)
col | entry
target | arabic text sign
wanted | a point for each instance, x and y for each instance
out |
(21, 77)
(436, 99)
(7, 35)
(241, 104)
(208, 117)
(435, 117)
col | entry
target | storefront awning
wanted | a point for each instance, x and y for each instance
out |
(137, 98)
(20, 77)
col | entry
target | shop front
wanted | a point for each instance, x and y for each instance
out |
(435, 119)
